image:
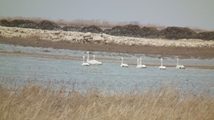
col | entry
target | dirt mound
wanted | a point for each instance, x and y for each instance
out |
(131, 30)
(177, 33)
(71, 28)
(149, 32)
(93, 29)
(23, 23)
(206, 35)
(127, 30)
(45, 24)
(113, 31)
(18, 23)
(48, 25)
(5, 23)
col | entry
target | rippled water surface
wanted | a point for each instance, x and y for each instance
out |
(109, 76)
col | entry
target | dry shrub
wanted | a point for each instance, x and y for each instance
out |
(48, 25)
(133, 28)
(209, 35)
(45, 103)
(93, 29)
(178, 33)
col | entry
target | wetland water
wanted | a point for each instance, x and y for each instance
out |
(109, 76)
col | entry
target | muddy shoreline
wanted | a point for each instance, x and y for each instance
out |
(182, 52)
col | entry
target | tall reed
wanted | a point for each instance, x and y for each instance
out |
(45, 103)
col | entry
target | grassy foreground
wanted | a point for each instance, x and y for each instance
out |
(43, 103)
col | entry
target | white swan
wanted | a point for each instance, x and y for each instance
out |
(123, 64)
(139, 63)
(179, 66)
(83, 62)
(93, 62)
(162, 67)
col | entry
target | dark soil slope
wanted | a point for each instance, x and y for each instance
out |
(18, 23)
(93, 29)
(47, 25)
(127, 30)
(177, 33)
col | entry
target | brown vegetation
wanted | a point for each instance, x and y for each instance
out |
(122, 29)
(47, 25)
(71, 28)
(44, 24)
(45, 103)
(206, 35)
(127, 30)
(93, 29)
(178, 33)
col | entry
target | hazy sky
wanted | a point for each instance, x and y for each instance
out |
(183, 13)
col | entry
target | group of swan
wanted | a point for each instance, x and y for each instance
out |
(83, 62)
(90, 62)
(177, 65)
(139, 63)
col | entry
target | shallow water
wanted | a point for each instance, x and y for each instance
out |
(109, 76)
(131, 58)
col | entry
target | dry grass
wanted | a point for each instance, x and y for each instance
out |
(103, 24)
(43, 103)
(34, 19)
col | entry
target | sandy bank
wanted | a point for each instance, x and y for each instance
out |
(103, 42)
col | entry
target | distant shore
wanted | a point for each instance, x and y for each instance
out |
(182, 52)
(107, 43)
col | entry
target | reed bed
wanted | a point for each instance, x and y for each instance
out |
(35, 102)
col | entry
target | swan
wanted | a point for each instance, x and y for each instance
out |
(83, 62)
(139, 65)
(93, 62)
(179, 66)
(162, 67)
(123, 64)
(99, 63)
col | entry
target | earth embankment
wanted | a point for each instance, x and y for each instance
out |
(130, 30)
(172, 41)
(108, 43)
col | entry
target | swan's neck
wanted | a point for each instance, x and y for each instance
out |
(137, 62)
(88, 57)
(177, 61)
(93, 57)
(121, 60)
(161, 62)
(140, 61)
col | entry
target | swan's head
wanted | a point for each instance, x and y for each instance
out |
(88, 52)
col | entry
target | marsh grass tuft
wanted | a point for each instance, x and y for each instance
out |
(32, 101)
